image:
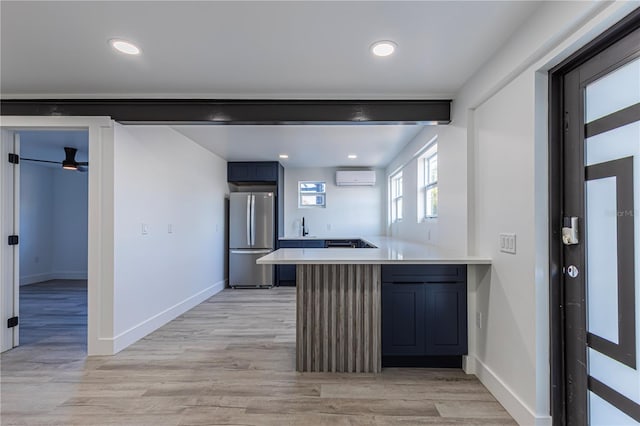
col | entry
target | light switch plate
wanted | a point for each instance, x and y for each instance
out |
(145, 229)
(508, 243)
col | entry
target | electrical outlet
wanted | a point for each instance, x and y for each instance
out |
(508, 243)
(479, 319)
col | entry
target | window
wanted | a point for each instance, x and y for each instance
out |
(396, 197)
(311, 194)
(428, 186)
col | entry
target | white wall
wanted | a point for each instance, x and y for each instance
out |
(161, 179)
(351, 211)
(36, 223)
(53, 224)
(70, 218)
(504, 202)
(449, 229)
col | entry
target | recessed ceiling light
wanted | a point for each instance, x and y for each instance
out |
(352, 156)
(383, 48)
(124, 46)
(283, 156)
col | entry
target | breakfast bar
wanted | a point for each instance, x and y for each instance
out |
(339, 302)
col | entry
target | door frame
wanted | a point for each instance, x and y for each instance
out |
(100, 267)
(9, 255)
(556, 172)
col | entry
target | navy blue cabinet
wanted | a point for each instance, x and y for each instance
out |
(424, 310)
(259, 172)
(446, 319)
(403, 319)
(287, 273)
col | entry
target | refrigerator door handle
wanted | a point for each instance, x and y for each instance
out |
(248, 220)
(253, 220)
(262, 251)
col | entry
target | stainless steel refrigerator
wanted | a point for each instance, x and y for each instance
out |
(251, 236)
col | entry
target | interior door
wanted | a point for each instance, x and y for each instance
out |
(9, 279)
(601, 236)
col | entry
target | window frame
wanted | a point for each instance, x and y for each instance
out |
(396, 197)
(317, 193)
(427, 184)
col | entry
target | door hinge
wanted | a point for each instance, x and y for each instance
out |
(14, 158)
(566, 121)
(12, 322)
(13, 240)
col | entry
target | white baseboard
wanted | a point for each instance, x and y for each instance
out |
(147, 326)
(469, 364)
(70, 275)
(35, 278)
(56, 275)
(505, 396)
(100, 347)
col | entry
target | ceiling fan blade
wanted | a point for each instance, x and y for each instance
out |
(40, 161)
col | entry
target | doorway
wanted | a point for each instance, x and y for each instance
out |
(53, 232)
(100, 264)
(595, 236)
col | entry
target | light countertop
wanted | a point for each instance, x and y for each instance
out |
(315, 237)
(389, 250)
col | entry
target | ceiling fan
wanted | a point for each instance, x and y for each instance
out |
(69, 162)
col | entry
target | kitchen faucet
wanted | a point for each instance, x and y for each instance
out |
(305, 232)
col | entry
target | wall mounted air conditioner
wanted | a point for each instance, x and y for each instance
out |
(355, 177)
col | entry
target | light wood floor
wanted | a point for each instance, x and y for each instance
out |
(229, 361)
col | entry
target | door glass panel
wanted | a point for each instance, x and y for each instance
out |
(605, 414)
(613, 92)
(622, 378)
(602, 252)
(618, 143)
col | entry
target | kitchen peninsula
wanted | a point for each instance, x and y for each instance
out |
(355, 305)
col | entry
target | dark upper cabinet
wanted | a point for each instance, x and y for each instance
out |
(424, 310)
(253, 172)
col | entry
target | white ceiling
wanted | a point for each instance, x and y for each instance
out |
(306, 145)
(262, 49)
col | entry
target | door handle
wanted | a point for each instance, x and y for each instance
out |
(248, 220)
(253, 220)
(570, 231)
(265, 251)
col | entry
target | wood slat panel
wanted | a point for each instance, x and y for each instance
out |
(357, 323)
(338, 313)
(341, 323)
(366, 312)
(376, 341)
(316, 343)
(300, 319)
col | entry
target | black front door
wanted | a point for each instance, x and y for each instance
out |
(599, 240)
